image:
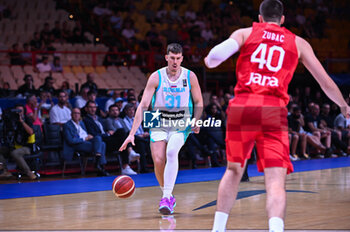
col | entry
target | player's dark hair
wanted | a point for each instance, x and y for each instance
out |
(174, 48)
(271, 10)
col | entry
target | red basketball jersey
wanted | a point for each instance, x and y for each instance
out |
(267, 62)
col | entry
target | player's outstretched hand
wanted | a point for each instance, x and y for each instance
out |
(129, 139)
(196, 129)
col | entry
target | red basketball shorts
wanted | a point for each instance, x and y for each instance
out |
(262, 121)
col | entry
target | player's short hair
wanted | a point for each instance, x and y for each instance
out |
(174, 48)
(271, 10)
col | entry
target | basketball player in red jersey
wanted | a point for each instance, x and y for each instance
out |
(268, 57)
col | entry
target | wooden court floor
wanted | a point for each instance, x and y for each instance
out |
(317, 201)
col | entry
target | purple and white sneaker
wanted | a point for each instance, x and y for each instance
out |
(165, 207)
(173, 201)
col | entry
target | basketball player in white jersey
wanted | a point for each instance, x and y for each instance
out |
(173, 90)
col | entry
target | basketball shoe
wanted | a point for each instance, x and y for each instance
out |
(165, 206)
(172, 201)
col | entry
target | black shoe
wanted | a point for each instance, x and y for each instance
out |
(101, 171)
(194, 165)
(215, 165)
(328, 153)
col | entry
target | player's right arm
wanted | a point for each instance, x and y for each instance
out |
(150, 88)
(308, 58)
(227, 48)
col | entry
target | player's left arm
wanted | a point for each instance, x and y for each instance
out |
(197, 98)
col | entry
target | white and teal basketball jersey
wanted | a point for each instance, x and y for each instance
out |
(173, 98)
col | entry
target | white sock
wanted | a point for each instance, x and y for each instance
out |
(167, 192)
(172, 163)
(161, 188)
(276, 224)
(220, 221)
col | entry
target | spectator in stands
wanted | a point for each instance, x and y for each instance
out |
(128, 32)
(306, 99)
(119, 102)
(56, 65)
(60, 113)
(32, 110)
(174, 15)
(78, 37)
(65, 32)
(183, 34)
(343, 124)
(149, 13)
(92, 95)
(227, 98)
(43, 66)
(293, 143)
(67, 89)
(170, 33)
(112, 100)
(28, 87)
(300, 17)
(15, 56)
(327, 123)
(82, 98)
(295, 123)
(45, 106)
(26, 55)
(5, 12)
(101, 10)
(24, 129)
(116, 20)
(48, 86)
(113, 121)
(152, 38)
(76, 139)
(214, 100)
(142, 141)
(5, 91)
(113, 140)
(90, 82)
(56, 32)
(190, 14)
(112, 58)
(130, 100)
(312, 125)
(36, 43)
(214, 135)
(4, 173)
(192, 144)
(207, 33)
(45, 33)
(161, 13)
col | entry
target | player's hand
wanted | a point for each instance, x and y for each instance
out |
(129, 139)
(196, 129)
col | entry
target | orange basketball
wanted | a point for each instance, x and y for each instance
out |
(123, 186)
